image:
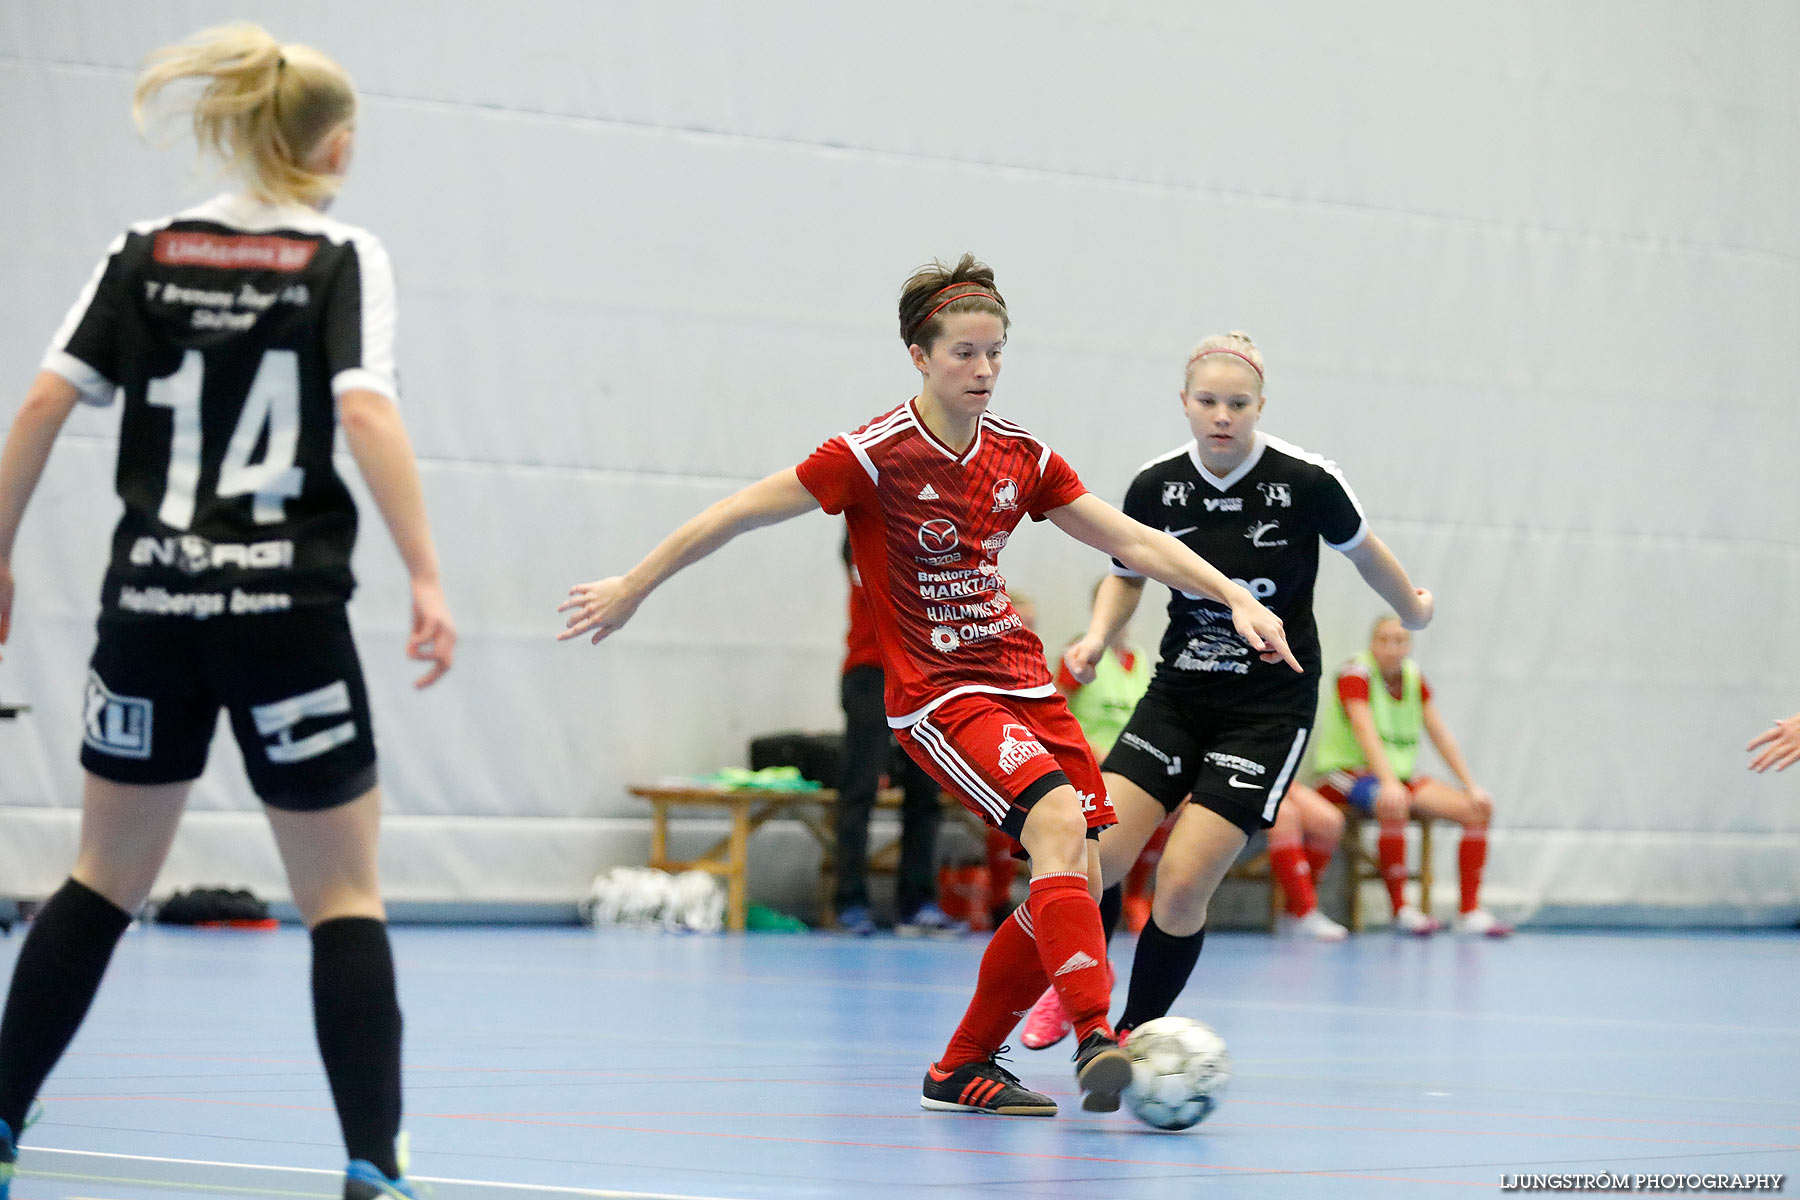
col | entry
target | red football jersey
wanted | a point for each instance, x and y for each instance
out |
(926, 529)
(860, 647)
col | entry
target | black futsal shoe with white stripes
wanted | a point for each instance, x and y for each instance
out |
(983, 1087)
(1102, 1069)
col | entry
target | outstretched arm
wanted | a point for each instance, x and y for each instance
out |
(1163, 558)
(1383, 572)
(47, 405)
(604, 605)
(1781, 743)
(1114, 603)
(377, 439)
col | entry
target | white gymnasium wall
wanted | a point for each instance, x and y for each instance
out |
(1529, 272)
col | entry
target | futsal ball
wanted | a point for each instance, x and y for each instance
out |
(1178, 1068)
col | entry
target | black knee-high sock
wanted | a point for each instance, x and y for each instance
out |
(59, 970)
(1159, 971)
(357, 1014)
(1112, 905)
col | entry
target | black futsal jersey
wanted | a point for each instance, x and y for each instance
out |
(1261, 525)
(230, 330)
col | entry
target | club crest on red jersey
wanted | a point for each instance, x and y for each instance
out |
(1006, 495)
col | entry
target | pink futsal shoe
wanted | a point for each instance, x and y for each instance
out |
(1047, 1024)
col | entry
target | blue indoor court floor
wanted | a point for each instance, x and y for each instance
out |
(547, 1062)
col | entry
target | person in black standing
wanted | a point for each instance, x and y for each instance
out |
(868, 748)
(1218, 721)
(240, 336)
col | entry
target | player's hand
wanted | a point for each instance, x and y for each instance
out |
(433, 637)
(1392, 801)
(1780, 744)
(1425, 608)
(1082, 658)
(602, 606)
(1262, 629)
(6, 601)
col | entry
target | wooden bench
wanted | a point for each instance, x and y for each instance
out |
(1362, 865)
(750, 809)
(1254, 867)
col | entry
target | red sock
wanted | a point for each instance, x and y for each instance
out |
(1318, 857)
(1010, 982)
(1072, 947)
(1471, 857)
(1287, 862)
(1391, 849)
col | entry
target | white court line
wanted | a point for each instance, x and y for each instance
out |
(86, 1166)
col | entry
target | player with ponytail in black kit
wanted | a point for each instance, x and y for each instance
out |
(239, 336)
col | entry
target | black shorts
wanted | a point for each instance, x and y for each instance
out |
(1239, 765)
(291, 681)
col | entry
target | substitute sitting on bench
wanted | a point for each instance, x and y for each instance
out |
(1367, 748)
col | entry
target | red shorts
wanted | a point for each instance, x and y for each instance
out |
(1000, 754)
(1358, 790)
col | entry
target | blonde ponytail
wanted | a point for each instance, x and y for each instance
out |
(262, 109)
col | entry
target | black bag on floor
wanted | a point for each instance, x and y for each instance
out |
(201, 906)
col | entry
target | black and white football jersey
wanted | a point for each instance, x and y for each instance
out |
(1261, 525)
(230, 330)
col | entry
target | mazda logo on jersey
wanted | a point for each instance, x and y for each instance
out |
(1006, 495)
(937, 536)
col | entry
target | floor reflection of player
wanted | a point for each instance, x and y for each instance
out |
(1229, 728)
(932, 490)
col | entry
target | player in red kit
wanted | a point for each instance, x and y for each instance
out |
(932, 489)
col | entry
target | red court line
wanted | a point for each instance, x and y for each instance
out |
(1478, 1112)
